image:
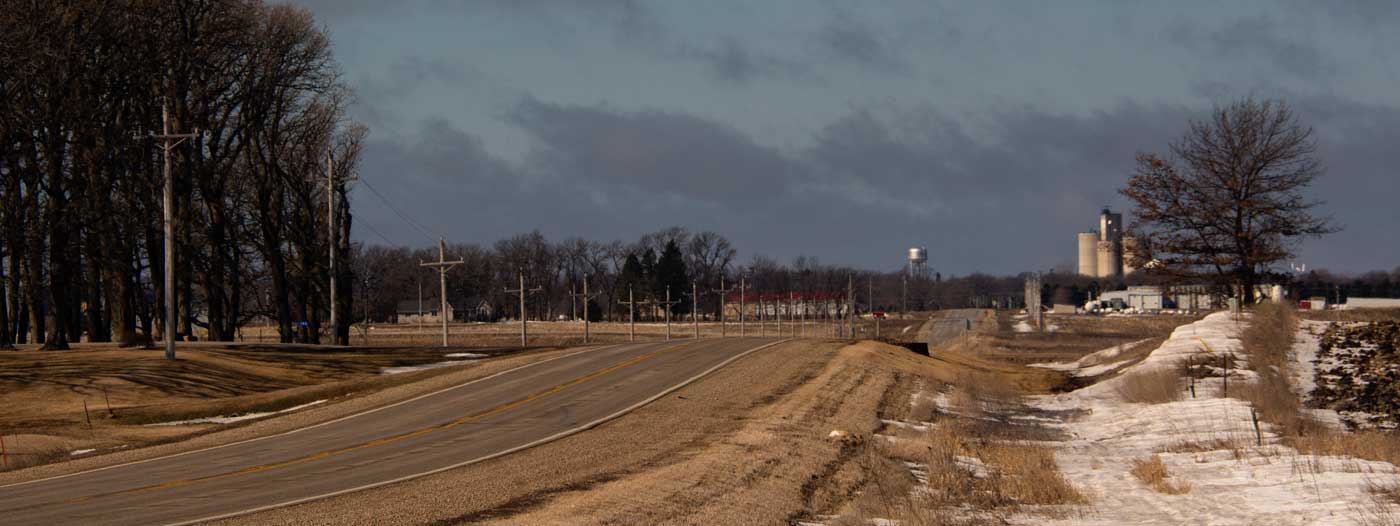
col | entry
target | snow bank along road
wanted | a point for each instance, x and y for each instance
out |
(438, 431)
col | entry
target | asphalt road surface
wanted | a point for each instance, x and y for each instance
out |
(442, 430)
(948, 326)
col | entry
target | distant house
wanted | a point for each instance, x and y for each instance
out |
(477, 308)
(412, 312)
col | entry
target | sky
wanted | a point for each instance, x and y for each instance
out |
(990, 132)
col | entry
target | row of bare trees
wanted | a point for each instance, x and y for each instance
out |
(390, 276)
(83, 85)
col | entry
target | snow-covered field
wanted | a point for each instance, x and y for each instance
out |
(1210, 443)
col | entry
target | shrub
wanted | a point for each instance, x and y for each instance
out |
(1152, 472)
(1151, 386)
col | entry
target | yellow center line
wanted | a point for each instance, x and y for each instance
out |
(389, 440)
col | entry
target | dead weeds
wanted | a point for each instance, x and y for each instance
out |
(1152, 386)
(1152, 472)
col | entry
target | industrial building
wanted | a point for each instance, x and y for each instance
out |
(1101, 252)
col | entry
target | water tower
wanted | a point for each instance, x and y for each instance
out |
(918, 262)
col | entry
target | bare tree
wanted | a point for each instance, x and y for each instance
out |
(1231, 202)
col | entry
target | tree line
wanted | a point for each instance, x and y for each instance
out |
(83, 86)
(671, 258)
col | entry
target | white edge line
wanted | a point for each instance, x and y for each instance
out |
(497, 454)
(313, 426)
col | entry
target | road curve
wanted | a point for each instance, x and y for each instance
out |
(948, 325)
(449, 428)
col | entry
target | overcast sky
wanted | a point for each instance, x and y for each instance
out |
(990, 132)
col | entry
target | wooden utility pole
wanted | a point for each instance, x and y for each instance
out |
(851, 304)
(723, 328)
(742, 329)
(631, 304)
(668, 303)
(586, 298)
(442, 265)
(168, 142)
(330, 237)
(695, 308)
(802, 313)
(904, 296)
(524, 325)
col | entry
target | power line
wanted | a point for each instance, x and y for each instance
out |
(415, 224)
(376, 232)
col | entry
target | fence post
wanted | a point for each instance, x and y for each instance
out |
(1224, 377)
(1191, 373)
(1258, 436)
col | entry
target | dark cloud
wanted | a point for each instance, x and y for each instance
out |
(1256, 39)
(662, 153)
(733, 61)
(850, 38)
(1003, 194)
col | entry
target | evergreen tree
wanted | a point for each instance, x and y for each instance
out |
(671, 272)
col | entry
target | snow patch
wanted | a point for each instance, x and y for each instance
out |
(1095, 363)
(1237, 477)
(424, 367)
(77, 452)
(235, 418)
(466, 355)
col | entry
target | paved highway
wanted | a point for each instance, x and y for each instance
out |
(948, 326)
(449, 428)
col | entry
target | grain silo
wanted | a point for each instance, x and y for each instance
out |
(1110, 226)
(1088, 254)
(1110, 259)
(1130, 250)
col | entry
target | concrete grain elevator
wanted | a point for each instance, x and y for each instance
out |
(1101, 253)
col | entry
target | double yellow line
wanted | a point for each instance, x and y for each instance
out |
(392, 439)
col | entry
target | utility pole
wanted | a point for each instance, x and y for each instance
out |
(904, 296)
(586, 298)
(524, 325)
(442, 265)
(330, 237)
(668, 303)
(168, 142)
(778, 313)
(631, 304)
(723, 328)
(802, 319)
(851, 303)
(743, 330)
(695, 308)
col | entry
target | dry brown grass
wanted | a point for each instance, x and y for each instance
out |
(1356, 315)
(1201, 446)
(1268, 343)
(923, 409)
(1152, 472)
(36, 457)
(1377, 445)
(1152, 386)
